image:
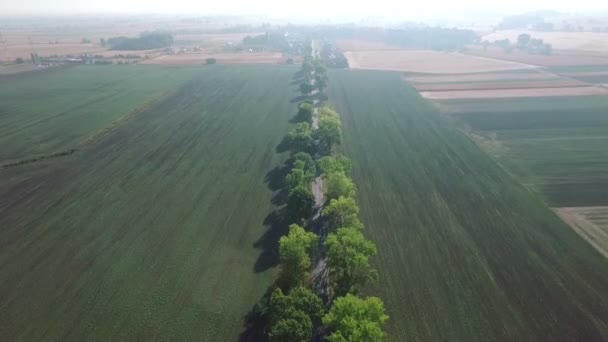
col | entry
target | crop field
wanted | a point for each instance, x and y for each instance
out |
(221, 58)
(557, 58)
(590, 222)
(465, 252)
(156, 231)
(557, 145)
(51, 111)
(427, 61)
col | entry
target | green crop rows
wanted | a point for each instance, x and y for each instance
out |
(464, 251)
(155, 230)
(558, 145)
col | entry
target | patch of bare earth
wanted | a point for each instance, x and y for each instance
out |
(591, 223)
(514, 93)
(221, 58)
(428, 61)
(536, 75)
(558, 83)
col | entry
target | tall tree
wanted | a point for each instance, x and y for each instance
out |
(335, 163)
(294, 316)
(338, 185)
(348, 254)
(342, 212)
(306, 88)
(354, 319)
(294, 253)
(305, 112)
(329, 132)
(300, 138)
(300, 202)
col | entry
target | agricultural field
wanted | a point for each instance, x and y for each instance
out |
(465, 252)
(557, 58)
(582, 42)
(427, 61)
(157, 230)
(590, 222)
(555, 145)
(221, 58)
(54, 110)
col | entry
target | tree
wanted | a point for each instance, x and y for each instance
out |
(338, 185)
(348, 254)
(299, 175)
(305, 112)
(329, 132)
(306, 88)
(300, 202)
(336, 163)
(547, 49)
(321, 81)
(294, 253)
(328, 112)
(308, 67)
(294, 316)
(309, 163)
(102, 41)
(300, 137)
(354, 319)
(19, 60)
(342, 212)
(523, 40)
(211, 61)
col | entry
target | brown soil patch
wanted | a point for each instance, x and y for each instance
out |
(557, 83)
(427, 61)
(483, 77)
(222, 58)
(591, 223)
(555, 59)
(364, 45)
(514, 93)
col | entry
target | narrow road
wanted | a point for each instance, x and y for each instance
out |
(319, 273)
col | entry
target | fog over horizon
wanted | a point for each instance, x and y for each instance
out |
(312, 10)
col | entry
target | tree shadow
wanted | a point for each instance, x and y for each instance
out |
(256, 320)
(275, 180)
(277, 223)
(283, 146)
(301, 98)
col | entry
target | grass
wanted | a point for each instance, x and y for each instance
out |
(51, 111)
(562, 144)
(465, 251)
(156, 231)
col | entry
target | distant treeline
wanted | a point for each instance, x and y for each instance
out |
(146, 41)
(417, 37)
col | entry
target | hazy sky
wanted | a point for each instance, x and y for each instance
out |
(274, 8)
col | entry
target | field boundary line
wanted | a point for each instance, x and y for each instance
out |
(95, 136)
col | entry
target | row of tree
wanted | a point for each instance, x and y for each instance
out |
(293, 310)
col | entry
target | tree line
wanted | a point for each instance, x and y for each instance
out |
(292, 310)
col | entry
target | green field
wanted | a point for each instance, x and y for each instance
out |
(464, 251)
(558, 146)
(50, 111)
(156, 230)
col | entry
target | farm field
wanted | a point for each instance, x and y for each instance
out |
(54, 110)
(557, 58)
(157, 230)
(556, 145)
(427, 61)
(591, 223)
(519, 92)
(222, 58)
(464, 251)
(585, 42)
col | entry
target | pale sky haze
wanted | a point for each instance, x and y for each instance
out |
(396, 9)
